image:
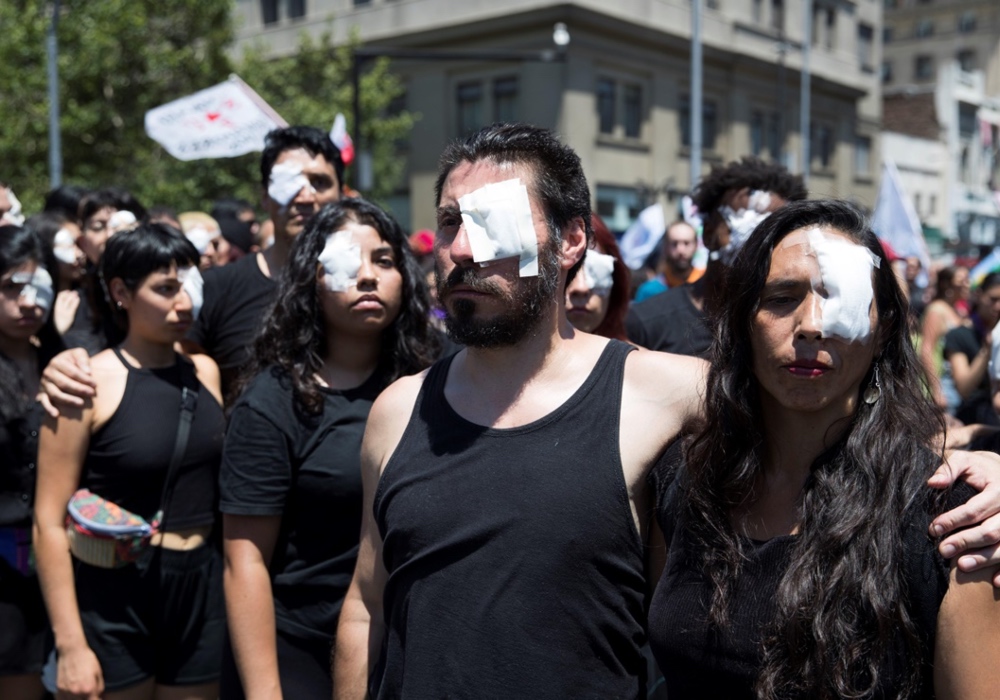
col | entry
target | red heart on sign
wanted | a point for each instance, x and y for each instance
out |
(212, 116)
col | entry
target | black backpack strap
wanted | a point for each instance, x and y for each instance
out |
(189, 402)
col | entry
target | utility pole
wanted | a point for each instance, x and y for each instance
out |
(804, 114)
(695, 103)
(55, 135)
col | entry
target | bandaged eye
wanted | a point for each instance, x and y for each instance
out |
(598, 271)
(37, 289)
(497, 219)
(341, 261)
(194, 284)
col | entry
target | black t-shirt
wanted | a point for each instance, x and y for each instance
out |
(307, 469)
(699, 661)
(977, 408)
(236, 298)
(670, 322)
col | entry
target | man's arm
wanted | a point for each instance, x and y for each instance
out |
(977, 547)
(362, 627)
(968, 638)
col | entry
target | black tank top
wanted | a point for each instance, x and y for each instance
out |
(128, 457)
(515, 568)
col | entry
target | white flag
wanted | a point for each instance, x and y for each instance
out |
(895, 221)
(223, 121)
(641, 238)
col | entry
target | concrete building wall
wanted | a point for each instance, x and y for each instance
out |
(637, 45)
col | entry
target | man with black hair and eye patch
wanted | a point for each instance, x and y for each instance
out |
(732, 200)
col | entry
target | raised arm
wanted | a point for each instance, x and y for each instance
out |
(61, 451)
(248, 545)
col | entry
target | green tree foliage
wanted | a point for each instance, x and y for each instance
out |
(120, 58)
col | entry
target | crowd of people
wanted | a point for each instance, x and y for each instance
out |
(318, 457)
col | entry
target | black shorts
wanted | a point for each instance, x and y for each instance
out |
(24, 626)
(162, 619)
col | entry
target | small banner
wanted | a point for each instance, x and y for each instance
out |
(223, 121)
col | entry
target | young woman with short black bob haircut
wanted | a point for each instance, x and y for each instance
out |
(28, 339)
(291, 476)
(152, 627)
(801, 565)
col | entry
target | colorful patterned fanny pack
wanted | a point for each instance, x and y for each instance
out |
(104, 534)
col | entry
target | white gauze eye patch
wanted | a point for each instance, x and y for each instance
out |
(120, 220)
(37, 288)
(200, 237)
(845, 273)
(497, 219)
(341, 261)
(598, 272)
(287, 181)
(194, 284)
(64, 247)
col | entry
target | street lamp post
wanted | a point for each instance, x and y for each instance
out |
(55, 136)
(560, 38)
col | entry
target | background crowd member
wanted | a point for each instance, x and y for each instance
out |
(10, 207)
(238, 209)
(945, 312)
(310, 173)
(291, 478)
(24, 307)
(204, 232)
(65, 200)
(145, 629)
(600, 310)
(803, 511)
(732, 199)
(674, 266)
(62, 235)
(160, 214)
(967, 350)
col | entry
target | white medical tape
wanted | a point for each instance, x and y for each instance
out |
(598, 272)
(37, 289)
(286, 182)
(64, 247)
(120, 220)
(994, 368)
(497, 219)
(845, 274)
(200, 237)
(341, 261)
(194, 284)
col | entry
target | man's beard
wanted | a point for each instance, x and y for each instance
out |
(524, 305)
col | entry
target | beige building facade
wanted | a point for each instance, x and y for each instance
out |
(621, 96)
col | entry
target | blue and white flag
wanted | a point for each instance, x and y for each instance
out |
(895, 221)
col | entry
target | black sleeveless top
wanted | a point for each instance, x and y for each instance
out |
(515, 568)
(128, 457)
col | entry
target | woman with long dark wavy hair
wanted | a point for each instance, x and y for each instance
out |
(350, 317)
(598, 295)
(799, 563)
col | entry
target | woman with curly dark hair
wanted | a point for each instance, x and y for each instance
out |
(800, 564)
(597, 296)
(350, 317)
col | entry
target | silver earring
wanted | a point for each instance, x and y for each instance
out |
(118, 305)
(874, 390)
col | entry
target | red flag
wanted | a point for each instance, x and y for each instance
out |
(341, 139)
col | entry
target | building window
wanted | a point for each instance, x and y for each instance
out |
(757, 133)
(966, 60)
(967, 22)
(886, 71)
(822, 145)
(296, 8)
(757, 11)
(470, 107)
(862, 155)
(968, 123)
(362, 2)
(866, 48)
(269, 11)
(923, 67)
(778, 15)
(925, 28)
(633, 111)
(824, 26)
(932, 205)
(890, 4)
(886, 35)
(505, 92)
(709, 123)
(606, 104)
(618, 206)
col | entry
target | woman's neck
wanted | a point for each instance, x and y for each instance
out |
(349, 361)
(148, 354)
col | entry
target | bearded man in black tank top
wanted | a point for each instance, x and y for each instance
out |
(506, 510)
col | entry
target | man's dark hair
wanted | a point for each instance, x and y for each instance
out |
(93, 202)
(559, 181)
(231, 208)
(750, 172)
(65, 199)
(313, 140)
